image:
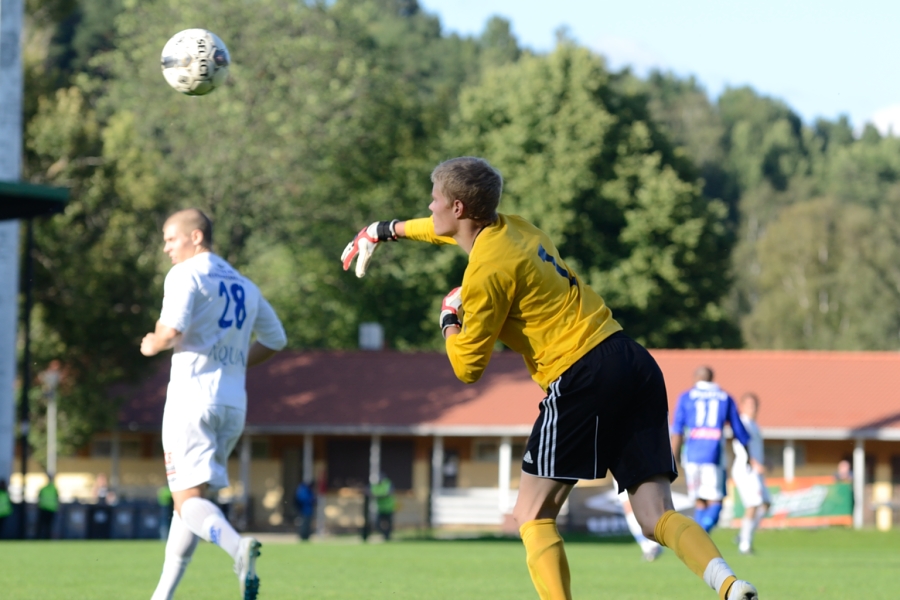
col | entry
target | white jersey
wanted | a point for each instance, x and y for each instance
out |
(216, 309)
(741, 460)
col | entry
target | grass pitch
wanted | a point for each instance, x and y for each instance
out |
(789, 565)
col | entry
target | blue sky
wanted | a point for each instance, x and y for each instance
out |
(823, 58)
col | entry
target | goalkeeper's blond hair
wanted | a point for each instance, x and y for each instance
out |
(472, 181)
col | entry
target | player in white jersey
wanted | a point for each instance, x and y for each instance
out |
(747, 472)
(208, 315)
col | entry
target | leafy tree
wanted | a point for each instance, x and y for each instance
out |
(583, 160)
(693, 124)
(828, 278)
(96, 275)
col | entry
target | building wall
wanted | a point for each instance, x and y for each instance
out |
(277, 460)
(140, 478)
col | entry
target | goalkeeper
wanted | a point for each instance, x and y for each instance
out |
(606, 403)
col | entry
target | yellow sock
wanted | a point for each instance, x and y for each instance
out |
(693, 546)
(546, 559)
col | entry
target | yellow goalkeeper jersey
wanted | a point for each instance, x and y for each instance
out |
(517, 288)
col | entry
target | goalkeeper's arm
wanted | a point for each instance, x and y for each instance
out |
(365, 242)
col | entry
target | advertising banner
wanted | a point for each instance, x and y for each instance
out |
(598, 510)
(804, 502)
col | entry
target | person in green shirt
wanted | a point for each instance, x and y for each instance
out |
(48, 505)
(6, 506)
(386, 503)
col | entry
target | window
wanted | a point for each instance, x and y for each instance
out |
(774, 453)
(397, 462)
(451, 469)
(518, 452)
(130, 448)
(259, 449)
(486, 451)
(348, 463)
(101, 448)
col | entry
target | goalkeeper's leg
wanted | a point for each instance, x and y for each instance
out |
(652, 504)
(537, 507)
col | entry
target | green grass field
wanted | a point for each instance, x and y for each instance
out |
(789, 565)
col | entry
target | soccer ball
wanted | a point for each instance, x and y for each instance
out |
(195, 61)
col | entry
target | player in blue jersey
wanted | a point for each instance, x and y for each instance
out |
(699, 422)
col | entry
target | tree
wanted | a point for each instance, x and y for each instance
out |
(827, 278)
(584, 161)
(96, 275)
(693, 124)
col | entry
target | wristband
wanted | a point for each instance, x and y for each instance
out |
(450, 320)
(385, 231)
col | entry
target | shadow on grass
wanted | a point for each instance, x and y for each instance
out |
(573, 537)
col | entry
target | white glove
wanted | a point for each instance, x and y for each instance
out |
(365, 242)
(450, 309)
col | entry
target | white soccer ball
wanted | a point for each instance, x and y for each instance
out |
(195, 61)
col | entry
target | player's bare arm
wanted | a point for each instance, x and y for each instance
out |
(259, 354)
(163, 338)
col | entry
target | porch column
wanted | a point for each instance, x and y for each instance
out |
(374, 459)
(244, 522)
(437, 466)
(503, 473)
(308, 474)
(859, 482)
(114, 454)
(374, 473)
(437, 477)
(790, 460)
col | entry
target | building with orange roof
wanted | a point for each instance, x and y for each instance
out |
(452, 450)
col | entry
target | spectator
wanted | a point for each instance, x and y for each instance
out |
(383, 492)
(5, 505)
(101, 488)
(48, 505)
(305, 501)
(844, 473)
(166, 506)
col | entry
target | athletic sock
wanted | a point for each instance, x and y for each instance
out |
(546, 558)
(711, 516)
(180, 547)
(700, 516)
(758, 517)
(696, 550)
(746, 536)
(637, 533)
(206, 520)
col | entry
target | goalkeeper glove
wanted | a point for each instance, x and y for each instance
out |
(365, 242)
(450, 309)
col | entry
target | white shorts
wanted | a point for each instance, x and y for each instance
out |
(704, 481)
(751, 486)
(197, 440)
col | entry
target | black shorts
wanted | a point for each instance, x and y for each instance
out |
(608, 411)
